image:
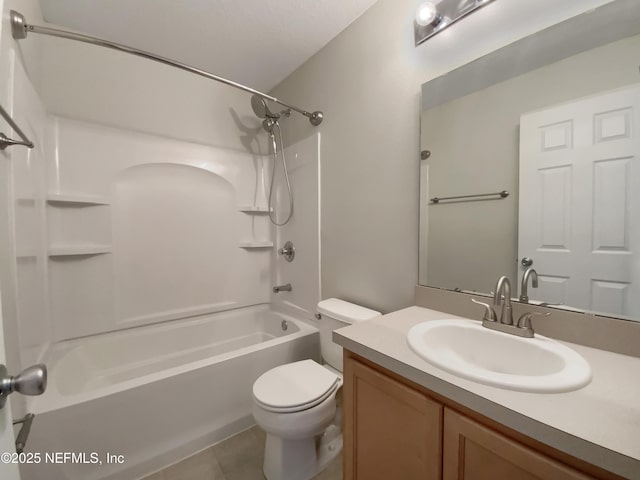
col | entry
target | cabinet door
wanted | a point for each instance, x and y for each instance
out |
(390, 431)
(474, 452)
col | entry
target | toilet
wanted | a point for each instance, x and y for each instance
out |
(295, 403)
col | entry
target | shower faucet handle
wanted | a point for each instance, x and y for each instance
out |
(288, 251)
(31, 381)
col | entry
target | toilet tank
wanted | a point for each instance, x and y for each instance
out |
(336, 313)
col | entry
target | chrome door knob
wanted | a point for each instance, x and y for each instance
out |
(31, 381)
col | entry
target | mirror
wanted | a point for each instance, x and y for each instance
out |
(538, 143)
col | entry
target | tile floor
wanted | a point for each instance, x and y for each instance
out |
(236, 458)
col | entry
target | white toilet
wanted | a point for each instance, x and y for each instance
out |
(295, 404)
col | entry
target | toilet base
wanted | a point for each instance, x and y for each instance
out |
(329, 448)
(300, 459)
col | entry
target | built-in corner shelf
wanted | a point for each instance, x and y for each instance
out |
(76, 250)
(78, 200)
(256, 244)
(254, 209)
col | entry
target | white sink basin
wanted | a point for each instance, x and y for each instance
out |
(469, 350)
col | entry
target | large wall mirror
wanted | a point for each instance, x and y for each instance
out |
(531, 159)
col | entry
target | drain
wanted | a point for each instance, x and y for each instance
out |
(284, 325)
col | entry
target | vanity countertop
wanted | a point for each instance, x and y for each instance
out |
(599, 423)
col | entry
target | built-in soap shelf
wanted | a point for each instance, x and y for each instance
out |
(75, 199)
(256, 244)
(77, 250)
(68, 214)
(254, 209)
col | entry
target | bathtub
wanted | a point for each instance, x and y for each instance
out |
(154, 395)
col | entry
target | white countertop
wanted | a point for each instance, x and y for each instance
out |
(599, 423)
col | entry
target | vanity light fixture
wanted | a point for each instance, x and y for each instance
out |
(434, 16)
(428, 14)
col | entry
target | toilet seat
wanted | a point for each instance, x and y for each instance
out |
(294, 387)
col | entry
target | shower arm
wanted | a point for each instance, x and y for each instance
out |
(20, 28)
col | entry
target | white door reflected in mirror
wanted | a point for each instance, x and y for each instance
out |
(564, 139)
(579, 212)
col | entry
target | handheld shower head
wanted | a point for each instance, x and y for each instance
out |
(259, 106)
(261, 109)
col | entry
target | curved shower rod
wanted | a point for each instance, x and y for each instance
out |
(20, 28)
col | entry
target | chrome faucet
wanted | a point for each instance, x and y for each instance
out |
(524, 294)
(502, 296)
(502, 299)
(282, 288)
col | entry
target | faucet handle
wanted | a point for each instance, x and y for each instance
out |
(489, 313)
(525, 319)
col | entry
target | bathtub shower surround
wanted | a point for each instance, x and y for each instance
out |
(303, 230)
(25, 204)
(144, 229)
(160, 263)
(137, 258)
(158, 393)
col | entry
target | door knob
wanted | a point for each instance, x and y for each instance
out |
(526, 261)
(31, 381)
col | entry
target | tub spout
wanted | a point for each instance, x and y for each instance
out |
(282, 288)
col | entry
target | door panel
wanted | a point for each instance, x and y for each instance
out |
(475, 452)
(391, 431)
(8, 471)
(579, 216)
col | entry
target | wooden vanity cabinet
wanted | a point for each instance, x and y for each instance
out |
(396, 430)
(391, 431)
(475, 452)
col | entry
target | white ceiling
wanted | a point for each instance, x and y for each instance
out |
(255, 42)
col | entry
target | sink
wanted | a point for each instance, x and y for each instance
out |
(469, 350)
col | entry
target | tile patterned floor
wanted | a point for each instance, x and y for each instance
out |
(237, 458)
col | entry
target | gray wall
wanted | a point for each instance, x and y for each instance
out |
(474, 142)
(367, 80)
(370, 98)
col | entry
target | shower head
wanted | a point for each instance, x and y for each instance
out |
(260, 108)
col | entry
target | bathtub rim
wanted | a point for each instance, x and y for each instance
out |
(53, 400)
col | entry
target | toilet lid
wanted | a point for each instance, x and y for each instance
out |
(300, 384)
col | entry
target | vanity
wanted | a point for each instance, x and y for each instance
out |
(407, 419)
(529, 166)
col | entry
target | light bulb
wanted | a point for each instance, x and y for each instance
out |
(427, 14)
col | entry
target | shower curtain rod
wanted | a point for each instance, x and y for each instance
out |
(20, 28)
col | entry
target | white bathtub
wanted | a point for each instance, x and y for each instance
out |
(159, 393)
